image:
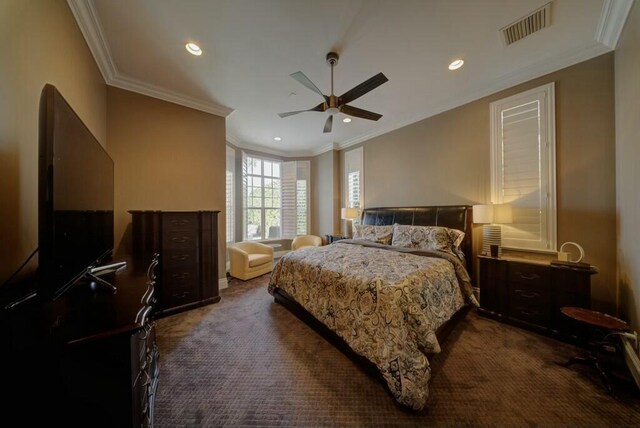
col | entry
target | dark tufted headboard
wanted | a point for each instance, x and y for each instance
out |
(452, 216)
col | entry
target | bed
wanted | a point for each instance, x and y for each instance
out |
(386, 306)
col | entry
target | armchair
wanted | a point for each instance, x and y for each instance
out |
(250, 259)
(305, 241)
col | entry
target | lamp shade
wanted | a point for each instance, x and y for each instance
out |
(349, 213)
(493, 213)
(483, 213)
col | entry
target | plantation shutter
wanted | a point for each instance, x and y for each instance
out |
(295, 195)
(353, 181)
(288, 199)
(523, 167)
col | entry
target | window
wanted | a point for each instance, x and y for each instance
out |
(295, 197)
(230, 193)
(276, 198)
(523, 167)
(354, 180)
(262, 204)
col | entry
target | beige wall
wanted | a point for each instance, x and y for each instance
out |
(167, 157)
(325, 180)
(39, 43)
(444, 160)
(627, 64)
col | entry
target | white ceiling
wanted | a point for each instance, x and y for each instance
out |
(252, 46)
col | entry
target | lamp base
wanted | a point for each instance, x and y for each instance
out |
(491, 235)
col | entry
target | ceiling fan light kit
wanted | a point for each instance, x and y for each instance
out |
(332, 104)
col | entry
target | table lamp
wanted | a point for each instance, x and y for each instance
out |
(349, 214)
(491, 216)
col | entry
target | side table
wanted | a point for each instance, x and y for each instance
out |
(333, 238)
(608, 324)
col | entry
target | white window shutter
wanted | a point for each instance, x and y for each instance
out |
(303, 179)
(230, 193)
(523, 167)
(289, 199)
(353, 182)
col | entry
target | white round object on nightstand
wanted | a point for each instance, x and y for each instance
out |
(562, 255)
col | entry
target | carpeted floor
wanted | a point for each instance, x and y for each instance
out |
(246, 361)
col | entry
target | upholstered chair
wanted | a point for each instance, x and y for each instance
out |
(250, 259)
(304, 241)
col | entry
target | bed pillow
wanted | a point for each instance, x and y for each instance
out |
(428, 238)
(379, 234)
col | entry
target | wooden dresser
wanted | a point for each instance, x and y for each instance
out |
(187, 242)
(530, 294)
(87, 358)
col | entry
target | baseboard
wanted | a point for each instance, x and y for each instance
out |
(223, 283)
(632, 359)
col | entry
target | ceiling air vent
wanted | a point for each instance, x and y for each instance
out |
(535, 21)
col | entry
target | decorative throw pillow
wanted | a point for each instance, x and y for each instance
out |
(456, 236)
(379, 234)
(422, 237)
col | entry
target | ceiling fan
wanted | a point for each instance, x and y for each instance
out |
(332, 104)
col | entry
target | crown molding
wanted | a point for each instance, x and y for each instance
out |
(261, 149)
(326, 148)
(282, 153)
(612, 19)
(566, 59)
(86, 16)
(144, 88)
(89, 23)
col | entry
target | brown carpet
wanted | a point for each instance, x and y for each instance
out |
(246, 361)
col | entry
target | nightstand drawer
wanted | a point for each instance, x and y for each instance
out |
(534, 314)
(528, 294)
(533, 275)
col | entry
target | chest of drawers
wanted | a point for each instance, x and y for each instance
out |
(187, 242)
(530, 294)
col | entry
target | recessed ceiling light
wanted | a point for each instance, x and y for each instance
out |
(277, 138)
(456, 64)
(346, 120)
(193, 49)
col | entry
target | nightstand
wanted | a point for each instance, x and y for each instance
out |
(333, 238)
(529, 294)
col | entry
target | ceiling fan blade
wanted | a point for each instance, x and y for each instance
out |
(319, 107)
(363, 88)
(358, 112)
(328, 124)
(302, 78)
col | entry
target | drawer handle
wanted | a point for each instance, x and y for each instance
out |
(182, 295)
(180, 239)
(527, 295)
(180, 222)
(529, 276)
(183, 275)
(180, 257)
(526, 312)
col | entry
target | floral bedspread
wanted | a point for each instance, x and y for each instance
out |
(386, 303)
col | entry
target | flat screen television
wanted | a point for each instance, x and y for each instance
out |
(75, 198)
